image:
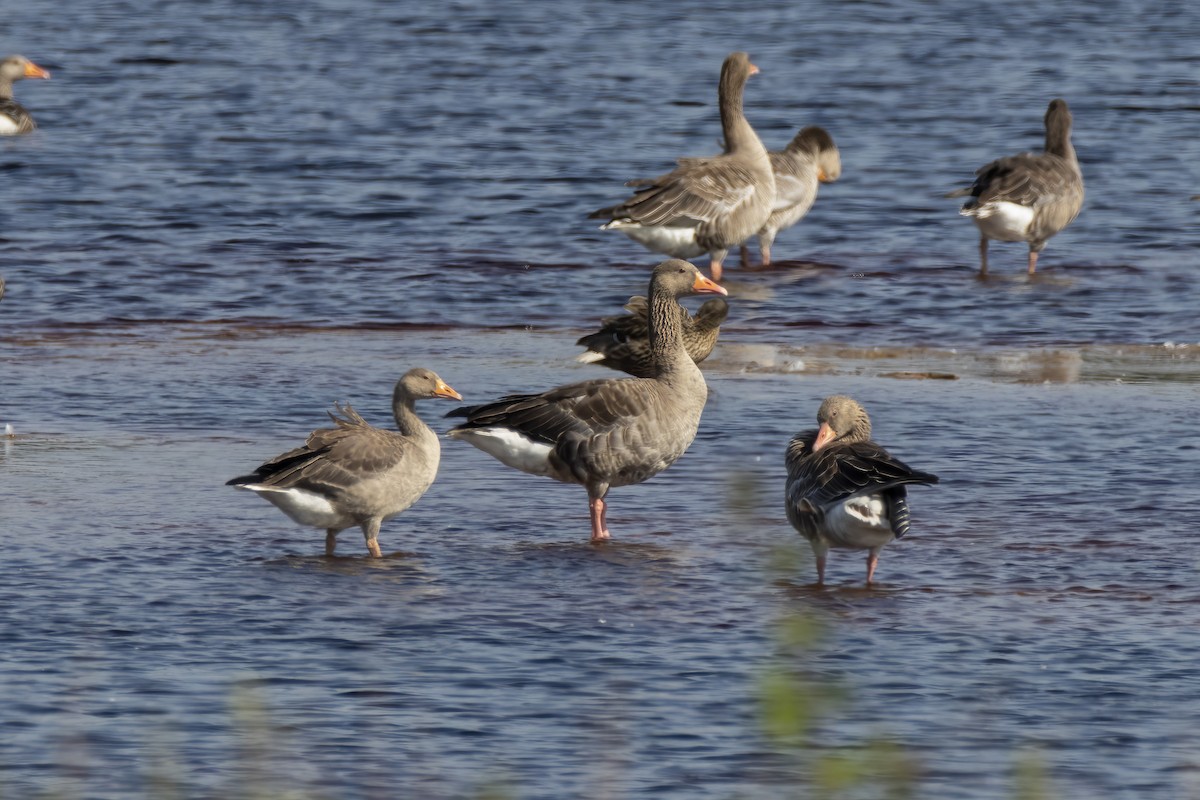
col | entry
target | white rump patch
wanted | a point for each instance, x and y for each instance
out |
(7, 126)
(304, 507)
(509, 447)
(677, 242)
(1002, 221)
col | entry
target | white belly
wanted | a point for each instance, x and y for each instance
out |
(1004, 222)
(509, 447)
(672, 241)
(304, 507)
(858, 523)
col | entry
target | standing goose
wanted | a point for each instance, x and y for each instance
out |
(810, 159)
(1028, 197)
(608, 432)
(357, 474)
(623, 342)
(705, 205)
(844, 490)
(14, 118)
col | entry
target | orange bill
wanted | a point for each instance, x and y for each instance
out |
(825, 435)
(703, 285)
(32, 70)
(443, 390)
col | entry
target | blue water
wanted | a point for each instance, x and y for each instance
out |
(233, 214)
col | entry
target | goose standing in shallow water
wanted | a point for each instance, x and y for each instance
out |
(357, 474)
(809, 160)
(844, 490)
(623, 342)
(14, 118)
(608, 432)
(1028, 197)
(705, 205)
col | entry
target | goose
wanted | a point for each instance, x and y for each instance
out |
(1028, 197)
(844, 490)
(810, 159)
(704, 205)
(608, 432)
(623, 342)
(355, 473)
(14, 118)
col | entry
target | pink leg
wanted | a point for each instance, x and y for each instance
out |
(821, 551)
(715, 269)
(370, 530)
(872, 562)
(745, 257)
(599, 513)
(1032, 261)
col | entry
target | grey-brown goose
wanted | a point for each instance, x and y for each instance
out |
(705, 205)
(14, 118)
(355, 473)
(1028, 197)
(609, 432)
(844, 490)
(809, 160)
(623, 341)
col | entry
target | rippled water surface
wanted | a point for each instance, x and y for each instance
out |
(234, 214)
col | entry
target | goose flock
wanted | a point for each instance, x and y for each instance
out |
(843, 490)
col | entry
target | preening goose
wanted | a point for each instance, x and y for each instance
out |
(1028, 197)
(623, 341)
(609, 432)
(355, 473)
(705, 205)
(810, 159)
(14, 118)
(844, 490)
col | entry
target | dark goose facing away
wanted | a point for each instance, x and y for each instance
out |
(844, 490)
(1028, 197)
(608, 432)
(355, 473)
(809, 160)
(14, 118)
(623, 341)
(705, 205)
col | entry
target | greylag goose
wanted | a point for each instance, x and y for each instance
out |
(705, 205)
(1028, 197)
(810, 159)
(844, 490)
(608, 432)
(14, 118)
(355, 473)
(623, 342)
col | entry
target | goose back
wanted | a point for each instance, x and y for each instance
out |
(623, 341)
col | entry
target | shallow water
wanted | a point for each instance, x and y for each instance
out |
(234, 215)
